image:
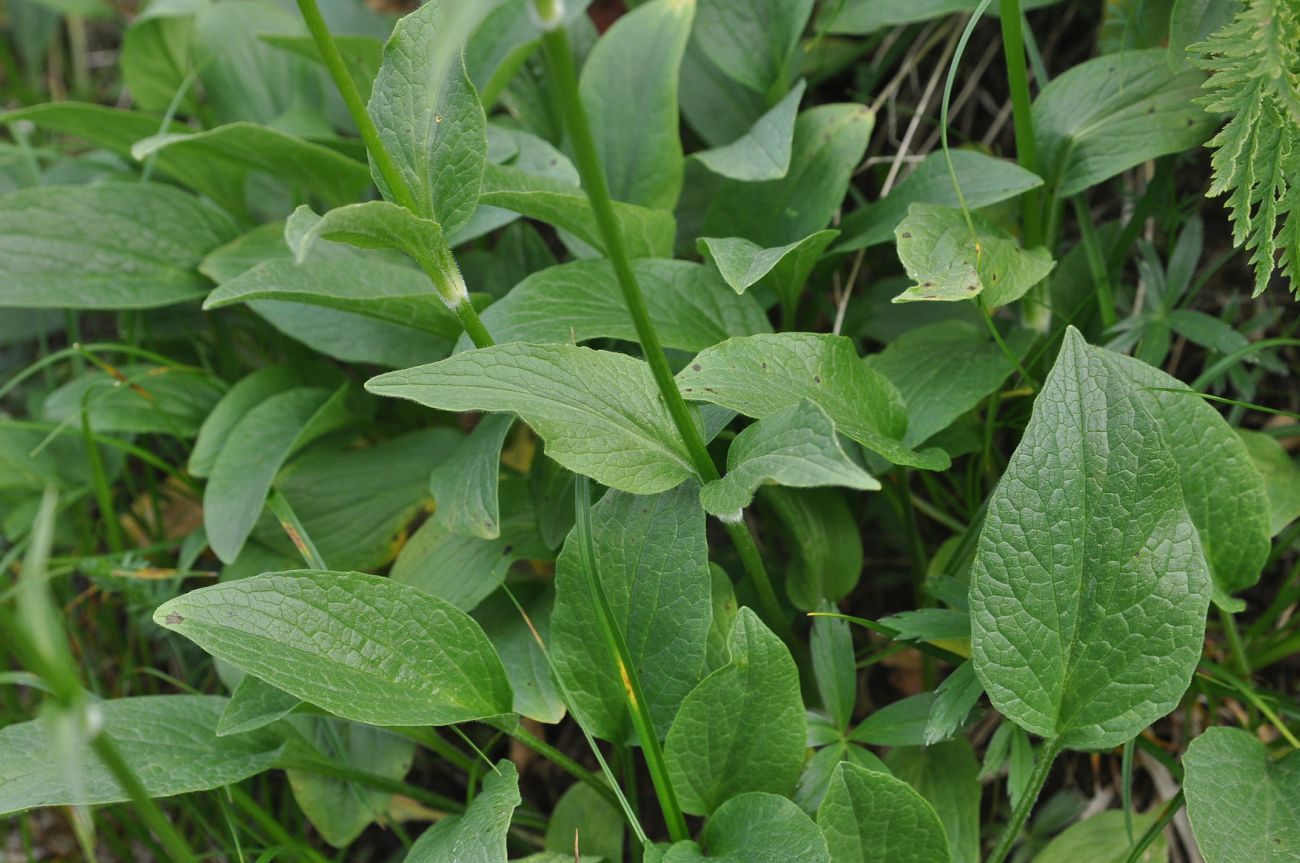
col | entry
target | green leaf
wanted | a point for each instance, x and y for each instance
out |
(948, 263)
(946, 775)
(944, 370)
(762, 153)
(984, 181)
(743, 264)
(478, 836)
(824, 542)
(246, 394)
(796, 447)
(754, 827)
(861, 17)
(953, 701)
(140, 398)
(156, 53)
(255, 704)
(356, 284)
(834, 667)
(711, 750)
(257, 446)
(1104, 839)
(111, 246)
(362, 647)
(653, 563)
(429, 117)
(362, 55)
(901, 723)
(599, 412)
(647, 233)
(585, 822)
(239, 148)
(340, 809)
(871, 817)
(536, 695)
(465, 485)
(1224, 494)
(1110, 113)
(818, 770)
(689, 306)
(465, 569)
(760, 375)
(829, 140)
(1089, 586)
(169, 740)
(1281, 477)
(725, 609)
(1242, 804)
(629, 84)
(753, 42)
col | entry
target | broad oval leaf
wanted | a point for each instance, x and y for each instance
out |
(599, 412)
(169, 740)
(1089, 586)
(1104, 839)
(871, 817)
(653, 564)
(362, 647)
(1242, 803)
(428, 115)
(760, 375)
(478, 836)
(755, 827)
(712, 751)
(111, 246)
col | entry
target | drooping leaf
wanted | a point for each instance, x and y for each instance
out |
(1089, 587)
(828, 142)
(796, 447)
(478, 836)
(254, 451)
(948, 263)
(169, 740)
(652, 562)
(428, 115)
(599, 412)
(754, 827)
(1110, 113)
(1103, 839)
(984, 181)
(111, 246)
(760, 375)
(946, 775)
(689, 306)
(465, 485)
(871, 817)
(629, 87)
(823, 540)
(254, 704)
(762, 153)
(711, 752)
(1243, 804)
(1281, 478)
(362, 647)
(744, 264)
(942, 371)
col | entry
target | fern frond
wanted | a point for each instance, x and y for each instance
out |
(1254, 66)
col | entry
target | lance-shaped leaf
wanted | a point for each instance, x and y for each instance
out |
(629, 82)
(255, 450)
(743, 264)
(1242, 803)
(362, 647)
(1224, 494)
(871, 817)
(823, 540)
(1281, 478)
(170, 741)
(110, 246)
(762, 153)
(599, 412)
(464, 486)
(760, 375)
(949, 263)
(755, 827)
(796, 447)
(478, 836)
(653, 564)
(712, 751)
(688, 304)
(246, 394)
(239, 148)
(1089, 587)
(428, 115)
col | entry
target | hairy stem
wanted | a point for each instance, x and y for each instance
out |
(1030, 796)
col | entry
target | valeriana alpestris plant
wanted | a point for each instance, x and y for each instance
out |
(1065, 514)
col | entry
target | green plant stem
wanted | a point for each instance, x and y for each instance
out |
(177, 848)
(564, 762)
(1013, 48)
(1235, 648)
(379, 155)
(1096, 262)
(564, 78)
(622, 659)
(250, 807)
(1166, 815)
(1027, 799)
